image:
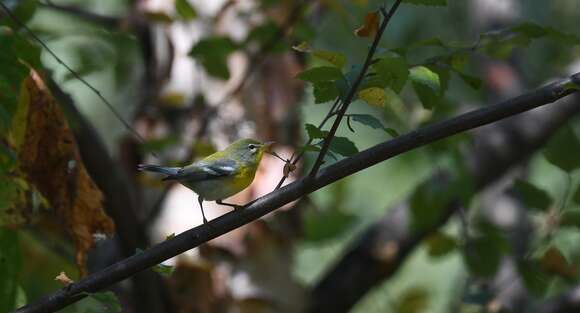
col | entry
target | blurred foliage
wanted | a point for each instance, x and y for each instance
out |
(428, 65)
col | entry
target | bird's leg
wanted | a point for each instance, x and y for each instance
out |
(200, 200)
(235, 206)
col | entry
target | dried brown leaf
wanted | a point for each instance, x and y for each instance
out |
(50, 161)
(370, 26)
(63, 279)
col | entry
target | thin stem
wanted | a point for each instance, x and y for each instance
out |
(332, 112)
(386, 18)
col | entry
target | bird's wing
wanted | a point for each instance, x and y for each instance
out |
(205, 170)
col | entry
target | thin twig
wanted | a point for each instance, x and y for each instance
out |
(351, 93)
(332, 112)
(194, 237)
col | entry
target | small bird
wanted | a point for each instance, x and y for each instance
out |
(220, 175)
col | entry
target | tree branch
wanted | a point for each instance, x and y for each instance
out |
(496, 149)
(196, 236)
(352, 91)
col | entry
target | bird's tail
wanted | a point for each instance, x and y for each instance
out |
(169, 171)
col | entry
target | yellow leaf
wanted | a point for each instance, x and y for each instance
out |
(373, 96)
(173, 99)
(370, 26)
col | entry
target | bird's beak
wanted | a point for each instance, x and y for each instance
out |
(268, 146)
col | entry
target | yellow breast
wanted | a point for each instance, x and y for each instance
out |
(224, 187)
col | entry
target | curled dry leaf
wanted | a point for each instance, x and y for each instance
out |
(289, 168)
(50, 161)
(63, 279)
(370, 26)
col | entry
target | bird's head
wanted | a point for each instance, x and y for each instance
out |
(249, 150)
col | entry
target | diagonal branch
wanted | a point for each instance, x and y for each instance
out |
(353, 89)
(196, 236)
(380, 251)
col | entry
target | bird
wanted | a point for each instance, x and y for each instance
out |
(219, 175)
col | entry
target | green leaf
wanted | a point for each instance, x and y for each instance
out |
(343, 146)
(427, 2)
(394, 71)
(393, 132)
(263, 33)
(427, 204)
(472, 81)
(440, 244)
(108, 301)
(325, 91)
(320, 74)
(314, 132)
(303, 31)
(565, 241)
(532, 196)
(483, 252)
(10, 264)
(535, 280)
(373, 122)
(413, 300)
(311, 148)
(427, 86)
(534, 31)
(368, 120)
(185, 10)
(328, 224)
(335, 58)
(433, 42)
(571, 217)
(458, 60)
(346, 82)
(92, 56)
(563, 150)
(212, 53)
(165, 270)
(15, 53)
(23, 10)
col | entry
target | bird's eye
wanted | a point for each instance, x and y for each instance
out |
(252, 147)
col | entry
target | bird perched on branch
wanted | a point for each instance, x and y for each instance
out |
(220, 175)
